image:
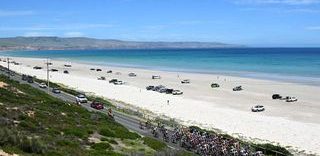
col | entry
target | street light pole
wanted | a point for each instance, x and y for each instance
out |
(48, 82)
(8, 67)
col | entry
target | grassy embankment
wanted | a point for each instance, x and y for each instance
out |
(34, 123)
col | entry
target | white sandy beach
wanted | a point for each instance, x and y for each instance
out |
(290, 124)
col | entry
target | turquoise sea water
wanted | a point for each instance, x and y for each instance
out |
(293, 64)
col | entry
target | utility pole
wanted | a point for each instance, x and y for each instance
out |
(8, 61)
(48, 82)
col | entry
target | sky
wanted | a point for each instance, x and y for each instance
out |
(256, 23)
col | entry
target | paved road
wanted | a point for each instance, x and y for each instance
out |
(128, 121)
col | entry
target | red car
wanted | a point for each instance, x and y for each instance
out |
(97, 105)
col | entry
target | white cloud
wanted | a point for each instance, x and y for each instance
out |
(313, 28)
(5, 13)
(74, 34)
(287, 2)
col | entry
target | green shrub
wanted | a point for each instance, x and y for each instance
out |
(101, 146)
(154, 144)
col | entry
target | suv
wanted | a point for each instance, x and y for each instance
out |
(81, 99)
(113, 80)
(29, 79)
(238, 88)
(42, 85)
(177, 92)
(96, 105)
(257, 108)
(276, 96)
(56, 91)
(24, 77)
(149, 87)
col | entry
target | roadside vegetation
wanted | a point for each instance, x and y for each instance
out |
(34, 123)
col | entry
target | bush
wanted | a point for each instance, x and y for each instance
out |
(154, 144)
(101, 146)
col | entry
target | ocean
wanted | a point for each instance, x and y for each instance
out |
(283, 64)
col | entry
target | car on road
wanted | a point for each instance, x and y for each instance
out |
(56, 91)
(257, 108)
(29, 79)
(42, 85)
(149, 87)
(186, 81)
(237, 88)
(177, 92)
(24, 77)
(96, 105)
(81, 99)
(291, 99)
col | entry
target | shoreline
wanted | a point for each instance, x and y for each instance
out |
(290, 124)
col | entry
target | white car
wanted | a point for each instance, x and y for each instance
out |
(81, 99)
(291, 99)
(118, 83)
(177, 92)
(257, 108)
(42, 85)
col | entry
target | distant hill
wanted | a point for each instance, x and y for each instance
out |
(56, 43)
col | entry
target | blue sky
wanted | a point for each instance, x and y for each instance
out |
(248, 22)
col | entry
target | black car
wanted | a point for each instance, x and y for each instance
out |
(37, 67)
(99, 70)
(54, 70)
(169, 91)
(238, 88)
(66, 72)
(113, 80)
(109, 71)
(276, 96)
(29, 79)
(149, 87)
(56, 90)
(24, 77)
(92, 69)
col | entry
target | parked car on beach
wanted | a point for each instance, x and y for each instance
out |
(113, 80)
(237, 88)
(118, 83)
(132, 74)
(186, 81)
(276, 96)
(291, 99)
(98, 69)
(215, 85)
(177, 92)
(149, 87)
(156, 77)
(257, 108)
(101, 78)
(66, 72)
(54, 70)
(109, 71)
(37, 67)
